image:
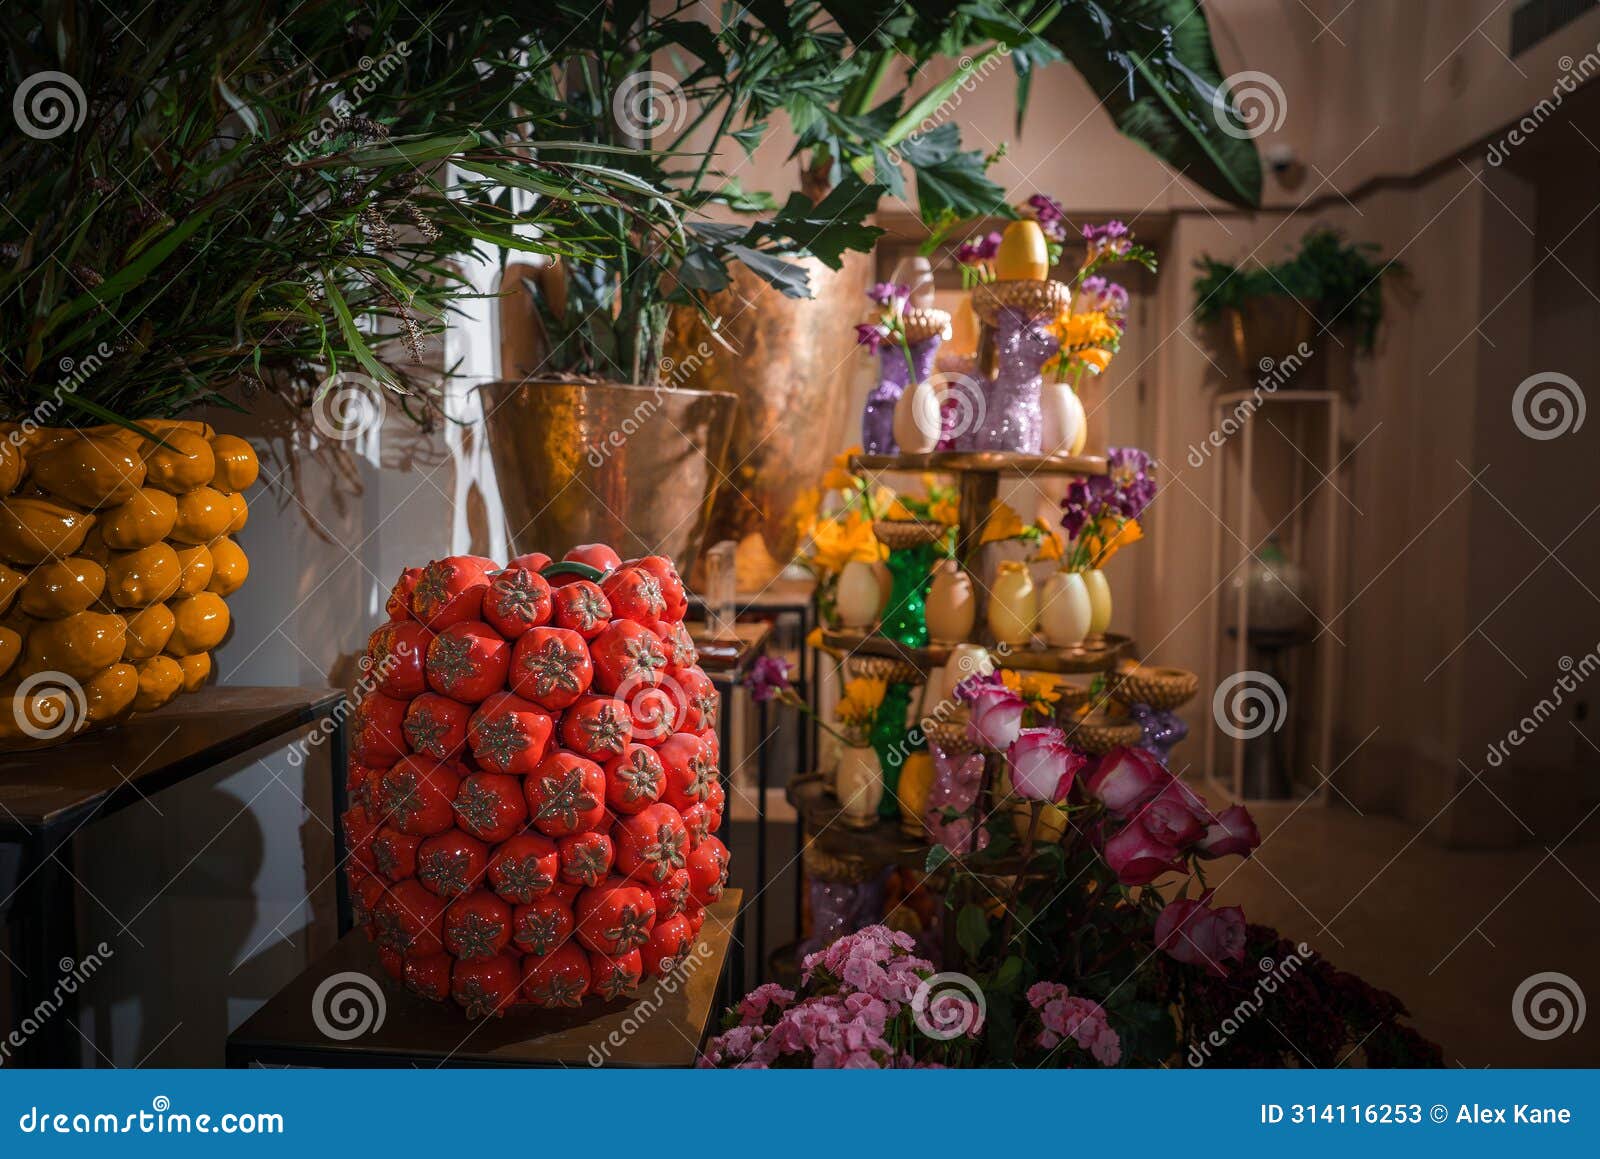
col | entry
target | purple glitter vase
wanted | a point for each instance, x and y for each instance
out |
(1010, 418)
(877, 418)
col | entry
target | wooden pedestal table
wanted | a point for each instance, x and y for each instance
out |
(47, 795)
(663, 1023)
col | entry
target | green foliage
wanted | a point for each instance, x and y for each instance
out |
(269, 198)
(1340, 283)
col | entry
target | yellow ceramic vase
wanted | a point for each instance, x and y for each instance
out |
(116, 551)
(912, 791)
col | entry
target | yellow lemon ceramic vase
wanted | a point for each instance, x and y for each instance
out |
(116, 555)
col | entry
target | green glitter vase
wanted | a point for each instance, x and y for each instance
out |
(910, 571)
(889, 740)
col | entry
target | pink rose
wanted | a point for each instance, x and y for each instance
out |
(1192, 932)
(1138, 858)
(1126, 778)
(996, 718)
(1233, 831)
(1043, 764)
(1175, 816)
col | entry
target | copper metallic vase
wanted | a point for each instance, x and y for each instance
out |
(790, 364)
(598, 462)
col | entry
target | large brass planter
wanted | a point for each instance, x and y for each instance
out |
(790, 366)
(580, 462)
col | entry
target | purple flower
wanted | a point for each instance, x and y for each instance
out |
(1128, 468)
(967, 252)
(891, 294)
(1097, 293)
(1111, 231)
(989, 246)
(1045, 208)
(767, 678)
(871, 335)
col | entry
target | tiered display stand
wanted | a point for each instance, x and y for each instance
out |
(846, 861)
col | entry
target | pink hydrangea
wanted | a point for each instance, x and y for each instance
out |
(874, 961)
(754, 1006)
(1081, 1019)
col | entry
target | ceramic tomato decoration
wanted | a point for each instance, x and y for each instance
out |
(366, 891)
(468, 662)
(415, 795)
(429, 977)
(680, 647)
(542, 925)
(410, 920)
(615, 916)
(359, 781)
(671, 894)
(672, 589)
(395, 853)
(359, 831)
(565, 892)
(700, 699)
(715, 800)
(517, 601)
(627, 655)
(695, 913)
(581, 607)
(651, 844)
(708, 871)
(377, 730)
(508, 734)
(559, 978)
(490, 806)
(393, 962)
(450, 591)
(696, 823)
(653, 712)
(668, 944)
(690, 770)
(551, 667)
(534, 561)
(565, 794)
(524, 868)
(634, 594)
(477, 926)
(486, 987)
(398, 605)
(585, 858)
(599, 727)
(436, 726)
(634, 779)
(396, 654)
(610, 978)
(599, 556)
(452, 863)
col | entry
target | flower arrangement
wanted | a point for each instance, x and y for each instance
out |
(768, 679)
(1091, 330)
(892, 298)
(864, 1002)
(1101, 512)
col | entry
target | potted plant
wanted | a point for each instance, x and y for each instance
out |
(1272, 312)
(247, 205)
